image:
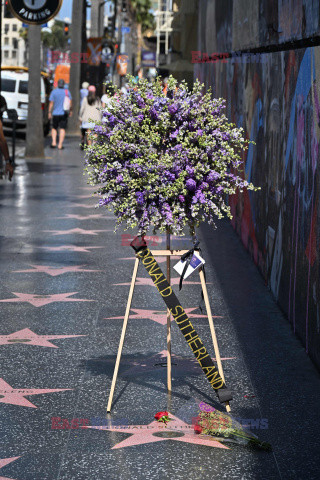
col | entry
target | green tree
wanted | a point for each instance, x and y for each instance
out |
(143, 15)
(144, 19)
(56, 39)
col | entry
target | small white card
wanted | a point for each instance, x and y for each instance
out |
(195, 263)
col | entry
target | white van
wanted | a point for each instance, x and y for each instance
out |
(14, 88)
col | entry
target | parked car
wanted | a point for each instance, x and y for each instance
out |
(14, 88)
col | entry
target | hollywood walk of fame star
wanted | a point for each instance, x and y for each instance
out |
(82, 205)
(89, 187)
(4, 462)
(15, 396)
(54, 271)
(159, 316)
(180, 365)
(81, 217)
(78, 231)
(28, 337)
(41, 300)
(149, 281)
(176, 430)
(85, 196)
(157, 259)
(70, 248)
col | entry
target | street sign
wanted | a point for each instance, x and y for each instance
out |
(124, 29)
(26, 25)
(148, 59)
(34, 12)
(94, 45)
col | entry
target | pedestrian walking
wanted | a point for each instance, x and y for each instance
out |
(84, 91)
(60, 108)
(89, 113)
(106, 98)
(5, 152)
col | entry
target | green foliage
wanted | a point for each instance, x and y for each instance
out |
(56, 39)
(143, 14)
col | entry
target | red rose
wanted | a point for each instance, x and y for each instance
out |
(197, 429)
(161, 414)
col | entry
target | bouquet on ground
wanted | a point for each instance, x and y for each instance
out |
(224, 428)
(163, 417)
(166, 160)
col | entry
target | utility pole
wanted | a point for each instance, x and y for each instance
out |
(0, 44)
(35, 140)
(75, 69)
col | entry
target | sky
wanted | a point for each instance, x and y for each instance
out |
(66, 9)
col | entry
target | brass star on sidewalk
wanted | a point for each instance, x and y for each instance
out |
(15, 396)
(40, 300)
(70, 248)
(149, 281)
(4, 462)
(77, 231)
(159, 316)
(176, 430)
(54, 271)
(28, 337)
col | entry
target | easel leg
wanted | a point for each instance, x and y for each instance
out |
(124, 327)
(213, 333)
(168, 324)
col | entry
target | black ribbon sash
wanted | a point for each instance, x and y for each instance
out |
(181, 318)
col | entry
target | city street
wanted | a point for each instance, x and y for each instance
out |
(65, 279)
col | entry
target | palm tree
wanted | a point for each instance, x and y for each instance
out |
(75, 70)
(34, 144)
(144, 20)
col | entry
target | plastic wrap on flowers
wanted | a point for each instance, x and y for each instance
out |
(225, 428)
(166, 160)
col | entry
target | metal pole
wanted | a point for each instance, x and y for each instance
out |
(168, 320)
(0, 46)
(158, 34)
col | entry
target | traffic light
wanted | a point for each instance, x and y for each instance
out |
(123, 5)
(66, 29)
(7, 11)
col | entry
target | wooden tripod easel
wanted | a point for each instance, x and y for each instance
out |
(165, 253)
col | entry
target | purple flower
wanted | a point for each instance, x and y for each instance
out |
(174, 134)
(213, 176)
(199, 195)
(140, 118)
(199, 132)
(119, 179)
(173, 109)
(181, 198)
(140, 198)
(140, 102)
(170, 176)
(191, 185)
(154, 114)
(190, 171)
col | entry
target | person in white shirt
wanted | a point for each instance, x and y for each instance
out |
(89, 113)
(106, 98)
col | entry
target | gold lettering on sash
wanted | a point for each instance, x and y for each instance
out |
(182, 320)
(188, 336)
(156, 276)
(166, 295)
(176, 313)
(195, 343)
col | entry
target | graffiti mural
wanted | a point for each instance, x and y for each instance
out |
(277, 102)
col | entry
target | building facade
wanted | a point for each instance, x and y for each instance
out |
(13, 46)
